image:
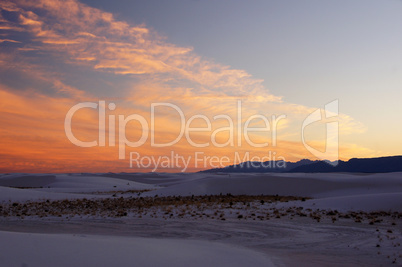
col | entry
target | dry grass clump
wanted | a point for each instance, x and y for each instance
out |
(117, 207)
(217, 207)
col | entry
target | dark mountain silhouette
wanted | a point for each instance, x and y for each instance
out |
(262, 167)
(363, 165)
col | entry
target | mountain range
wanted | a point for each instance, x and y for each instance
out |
(360, 165)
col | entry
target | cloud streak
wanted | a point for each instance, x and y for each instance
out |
(67, 52)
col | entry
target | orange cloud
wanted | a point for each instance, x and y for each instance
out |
(140, 68)
(45, 148)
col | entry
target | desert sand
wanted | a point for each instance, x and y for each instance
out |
(201, 219)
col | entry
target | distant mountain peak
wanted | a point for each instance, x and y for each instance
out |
(363, 165)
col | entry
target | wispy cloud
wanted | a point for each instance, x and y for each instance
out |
(9, 40)
(66, 52)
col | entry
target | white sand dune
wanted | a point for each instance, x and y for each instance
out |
(22, 195)
(339, 191)
(388, 202)
(27, 180)
(367, 192)
(62, 186)
(317, 244)
(308, 185)
(91, 183)
(27, 249)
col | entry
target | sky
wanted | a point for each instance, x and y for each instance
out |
(208, 60)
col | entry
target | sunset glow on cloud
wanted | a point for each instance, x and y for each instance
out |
(57, 54)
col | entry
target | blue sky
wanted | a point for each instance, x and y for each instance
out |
(309, 52)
